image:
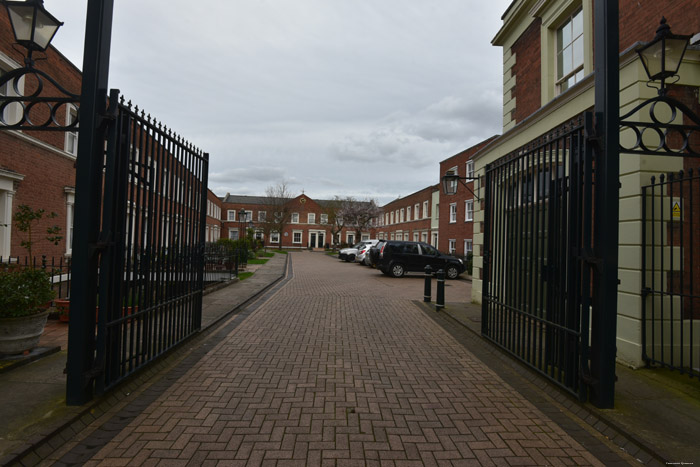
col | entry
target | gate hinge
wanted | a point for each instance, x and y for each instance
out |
(645, 292)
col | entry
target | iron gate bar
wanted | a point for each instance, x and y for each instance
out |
(675, 283)
(535, 277)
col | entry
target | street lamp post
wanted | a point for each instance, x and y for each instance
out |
(242, 223)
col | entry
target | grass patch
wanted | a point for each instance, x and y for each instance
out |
(266, 254)
(258, 260)
(282, 252)
(244, 275)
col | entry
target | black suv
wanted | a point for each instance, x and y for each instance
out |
(397, 258)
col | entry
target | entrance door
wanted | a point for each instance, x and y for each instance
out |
(312, 239)
(321, 239)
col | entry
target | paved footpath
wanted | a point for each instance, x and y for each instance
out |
(336, 368)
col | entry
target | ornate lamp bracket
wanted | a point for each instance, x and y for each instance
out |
(35, 111)
(660, 136)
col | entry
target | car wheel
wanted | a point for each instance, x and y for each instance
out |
(397, 270)
(452, 272)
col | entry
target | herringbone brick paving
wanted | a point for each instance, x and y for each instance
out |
(339, 369)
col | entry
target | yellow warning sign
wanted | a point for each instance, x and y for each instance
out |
(676, 210)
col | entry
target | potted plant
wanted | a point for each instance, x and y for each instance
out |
(24, 293)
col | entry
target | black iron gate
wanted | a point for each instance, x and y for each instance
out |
(152, 238)
(671, 267)
(537, 246)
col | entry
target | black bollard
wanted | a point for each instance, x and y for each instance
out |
(428, 278)
(440, 302)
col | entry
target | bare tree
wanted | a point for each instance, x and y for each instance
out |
(360, 214)
(335, 209)
(278, 212)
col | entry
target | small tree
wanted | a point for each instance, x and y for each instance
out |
(335, 209)
(360, 214)
(279, 211)
(26, 217)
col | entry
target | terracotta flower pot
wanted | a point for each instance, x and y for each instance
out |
(63, 308)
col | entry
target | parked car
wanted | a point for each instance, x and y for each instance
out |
(373, 255)
(363, 252)
(396, 258)
(349, 254)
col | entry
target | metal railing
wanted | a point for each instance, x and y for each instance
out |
(58, 268)
(222, 264)
(670, 258)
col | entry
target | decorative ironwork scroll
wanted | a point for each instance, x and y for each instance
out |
(37, 112)
(661, 137)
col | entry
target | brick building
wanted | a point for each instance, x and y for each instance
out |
(36, 168)
(308, 226)
(456, 217)
(409, 217)
(548, 76)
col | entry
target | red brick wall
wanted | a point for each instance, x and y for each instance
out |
(461, 229)
(639, 20)
(409, 226)
(46, 175)
(527, 72)
(303, 209)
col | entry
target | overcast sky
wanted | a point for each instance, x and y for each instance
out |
(355, 98)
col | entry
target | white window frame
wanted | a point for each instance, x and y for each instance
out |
(231, 215)
(311, 218)
(452, 246)
(416, 212)
(408, 213)
(424, 237)
(301, 237)
(401, 214)
(454, 183)
(563, 78)
(248, 216)
(469, 210)
(262, 216)
(7, 194)
(274, 237)
(232, 231)
(324, 218)
(70, 215)
(469, 170)
(71, 140)
(425, 209)
(295, 218)
(13, 113)
(453, 213)
(415, 236)
(468, 246)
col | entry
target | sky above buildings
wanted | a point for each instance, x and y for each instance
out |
(355, 98)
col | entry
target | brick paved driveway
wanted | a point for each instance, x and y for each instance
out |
(339, 367)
